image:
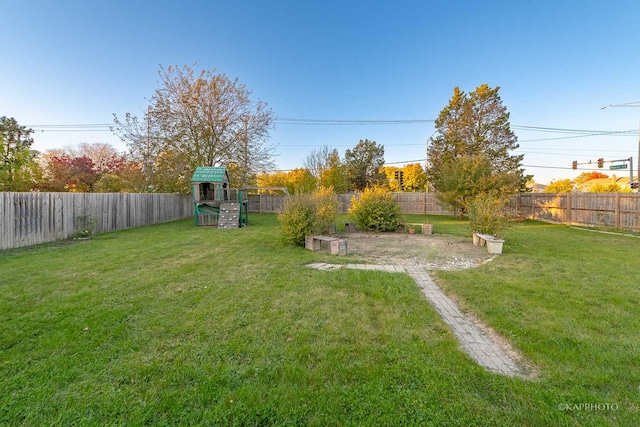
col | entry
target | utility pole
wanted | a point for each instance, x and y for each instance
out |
(145, 165)
(245, 120)
(630, 104)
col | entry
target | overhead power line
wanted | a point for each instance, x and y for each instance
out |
(571, 133)
(331, 122)
(560, 167)
(561, 130)
(632, 132)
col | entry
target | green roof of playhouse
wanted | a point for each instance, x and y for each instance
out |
(210, 174)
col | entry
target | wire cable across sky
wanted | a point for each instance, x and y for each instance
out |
(574, 133)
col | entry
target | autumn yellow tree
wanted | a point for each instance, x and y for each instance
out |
(414, 178)
(393, 184)
(273, 179)
(560, 186)
(335, 174)
(301, 180)
(297, 181)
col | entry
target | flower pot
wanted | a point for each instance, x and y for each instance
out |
(412, 231)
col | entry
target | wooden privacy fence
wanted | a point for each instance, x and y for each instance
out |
(416, 203)
(33, 218)
(619, 210)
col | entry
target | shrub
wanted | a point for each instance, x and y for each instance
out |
(305, 214)
(85, 227)
(325, 205)
(376, 209)
(487, 213)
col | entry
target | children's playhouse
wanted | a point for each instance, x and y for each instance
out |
(214, 202)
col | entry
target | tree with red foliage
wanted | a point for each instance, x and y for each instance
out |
(588, 176)
(105, 158)
(73, 174)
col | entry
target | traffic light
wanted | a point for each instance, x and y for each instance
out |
(400, 181)
(600, 162)
(574, 165)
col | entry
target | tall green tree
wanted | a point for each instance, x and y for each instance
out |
(18, 167)
(476, 142)
(463, 179)
(198, 119)
(363, 164)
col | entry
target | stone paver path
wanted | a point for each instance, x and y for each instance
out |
(484, 348)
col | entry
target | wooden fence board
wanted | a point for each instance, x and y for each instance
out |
(32, 218)
(620, 210)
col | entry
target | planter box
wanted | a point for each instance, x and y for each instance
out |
(476, 239)
(338, 247)
(494, 246)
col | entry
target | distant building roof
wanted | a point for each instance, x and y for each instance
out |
(623, 182)
(536, 188)
(210, 174)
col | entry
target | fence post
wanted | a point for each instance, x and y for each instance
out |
(617, 210)
(568, 208)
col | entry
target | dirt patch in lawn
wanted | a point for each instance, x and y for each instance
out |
(431, 251)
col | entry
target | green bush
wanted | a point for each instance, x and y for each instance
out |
(325, 205)
(305, 214)
(376, 209)
(487, 213)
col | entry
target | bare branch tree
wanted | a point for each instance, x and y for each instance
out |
(202, 120)
(318, 161)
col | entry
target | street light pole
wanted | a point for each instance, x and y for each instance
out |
(630, 104)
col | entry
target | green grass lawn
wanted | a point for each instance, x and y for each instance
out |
(178, 325)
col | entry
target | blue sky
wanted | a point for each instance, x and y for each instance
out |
(556, 62)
